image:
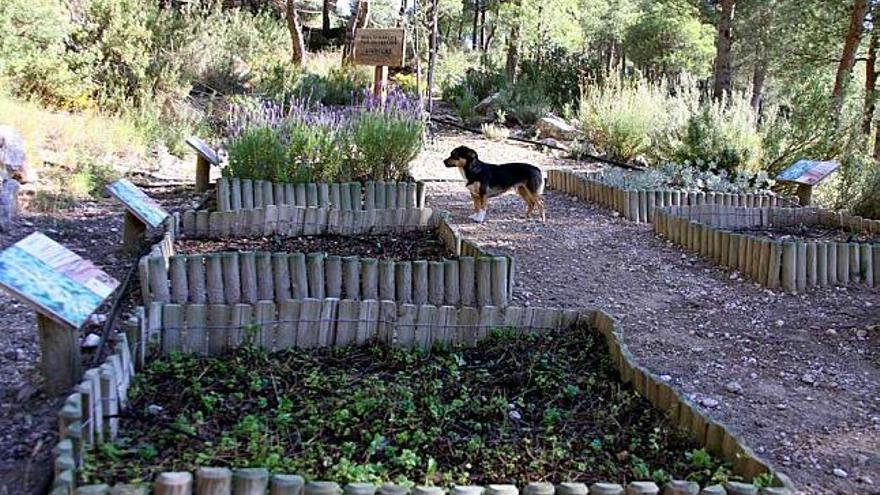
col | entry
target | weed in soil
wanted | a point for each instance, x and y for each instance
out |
(412, 245)
(515, 409)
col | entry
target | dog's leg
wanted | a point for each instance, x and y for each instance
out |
(476, 199)
(480, 215)
(523, 191)
(540, 201)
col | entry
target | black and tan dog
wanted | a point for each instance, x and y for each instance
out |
(485, 180)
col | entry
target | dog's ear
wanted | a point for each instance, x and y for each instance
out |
(470, 154)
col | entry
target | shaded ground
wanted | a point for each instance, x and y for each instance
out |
(28, 418)
(798, 376)
(414, 245)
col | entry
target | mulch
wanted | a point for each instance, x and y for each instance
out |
(412, 245)
(808, 233)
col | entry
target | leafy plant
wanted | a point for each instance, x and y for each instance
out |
(379, 414)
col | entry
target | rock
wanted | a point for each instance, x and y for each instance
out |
(552, 126)
(641, 161)
(92, 340)
(12, 156)
(8, 202)
(583, 149)
(733, 387)
(840, 473)
(554, 143)
(808, 379)
(709, 402)
(487, 104)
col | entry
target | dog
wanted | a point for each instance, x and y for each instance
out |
(486, 180)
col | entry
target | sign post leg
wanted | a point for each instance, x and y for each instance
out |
(60, 359)
(380, 83)
(132, 232)
(203, 174)
(805, 194)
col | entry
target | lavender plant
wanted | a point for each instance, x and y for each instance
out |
(366, 141)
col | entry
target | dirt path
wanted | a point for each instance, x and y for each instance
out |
(797, 376)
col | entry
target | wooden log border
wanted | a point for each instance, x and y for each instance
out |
(161, 280)
(247, 276)
(251, 481)
(235, 194)
(332, 322)
(641, 205)
(793, 267)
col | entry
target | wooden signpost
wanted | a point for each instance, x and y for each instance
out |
(64, 289)
(206, 156)
(140, 211)
(381, 48)
(806, 174)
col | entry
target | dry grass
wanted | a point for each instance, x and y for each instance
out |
(73, 153)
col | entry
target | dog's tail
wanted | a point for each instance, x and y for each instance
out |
(536, 182)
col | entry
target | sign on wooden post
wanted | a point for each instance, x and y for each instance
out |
(381, 48)
(64, 289)
(205, 157)
(140, 211)
(806, 174)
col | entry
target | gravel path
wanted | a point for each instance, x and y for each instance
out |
(797, 376)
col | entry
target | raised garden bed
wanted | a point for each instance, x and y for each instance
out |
(789, 248)
(804, 232)
(514, 409)
(638, 203)
(243, 194)
(569, 417)
(412, 245)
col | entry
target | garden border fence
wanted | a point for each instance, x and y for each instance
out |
(89, 414)
(639, 205)
(244, 194)
(476, 276)
(793, 266)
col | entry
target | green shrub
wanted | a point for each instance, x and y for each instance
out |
(867, 202)
(320, 143)
(318, 152)
(722, 136)
(339, 87)
(621, 118)
(385, 144)
(33, 53)
(526, 101)
(463, 100)
(258, 154)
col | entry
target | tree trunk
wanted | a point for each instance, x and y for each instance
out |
(483, 27)
(871, 80)
(847, 59)
(325, 19)
(432, 62)
(475, 30)
(723, 44)
(298, 53)
(512, 53)
(357, 21)
(759, 75)
(877, 141)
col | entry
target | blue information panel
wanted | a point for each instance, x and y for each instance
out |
(137, 202)
(203, 149)
(53, 279)
(808, 172)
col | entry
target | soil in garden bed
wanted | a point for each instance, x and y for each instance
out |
(808, 233)
(411, 245)
(515, 409)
